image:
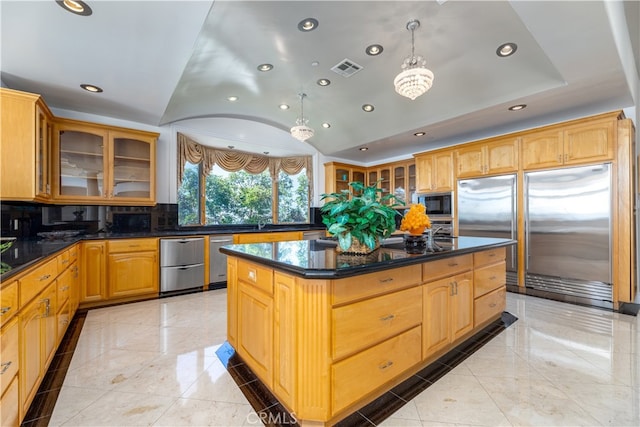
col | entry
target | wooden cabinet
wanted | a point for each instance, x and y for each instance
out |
(9, 367)
(448, 302)
(569, 145)
(8, 301)
(37, 343)
(487, 158)
(434, 172)
(93, 286)
(272, 236)
(489, 285)
(337, 176)
(382, 175)
(25, 142)
(101, 164)
(132, 267)
(255, 318)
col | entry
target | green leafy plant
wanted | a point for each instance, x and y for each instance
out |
(360, 212)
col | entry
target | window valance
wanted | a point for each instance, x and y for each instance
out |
(233, 161)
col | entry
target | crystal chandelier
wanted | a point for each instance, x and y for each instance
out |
(301, 131)
(414, 79)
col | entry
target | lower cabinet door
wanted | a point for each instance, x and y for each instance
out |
(436, 322)
(255, 332)
(31, 352)
(132, 273)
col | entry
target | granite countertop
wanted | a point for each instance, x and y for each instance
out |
(318, 259)
(25, 253)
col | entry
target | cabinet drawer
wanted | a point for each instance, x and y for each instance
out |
(66, 258)
(64, 284)
(133, 245)
(489, 305)
(381, 282)
(435, 270)
(489, 257)
(361, 324)
(260, 277)
(362, 373)
(488, 278)
(9, 404)
(8, 301)
(37, 280)
(276, 236)
(8, 354)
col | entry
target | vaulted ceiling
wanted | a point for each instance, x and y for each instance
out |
(177, 62)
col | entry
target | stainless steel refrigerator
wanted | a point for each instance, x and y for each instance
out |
(487, 207)
(568, 233)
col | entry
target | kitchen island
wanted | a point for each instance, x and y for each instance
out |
(327, 333)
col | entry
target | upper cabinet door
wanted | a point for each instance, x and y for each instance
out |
(502, 156)
(590, 142)
(105, 165)
(132, 163)
(44, 133)
(470, 161)
(542, 149)
(81, 164)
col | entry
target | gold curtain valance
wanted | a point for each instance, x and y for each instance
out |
(233, 161)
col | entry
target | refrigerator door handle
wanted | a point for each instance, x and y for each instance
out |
(527, 238)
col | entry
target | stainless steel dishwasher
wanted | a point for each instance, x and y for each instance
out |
(218, 260)
(181, 264)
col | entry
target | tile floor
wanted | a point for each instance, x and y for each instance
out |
(154, 363)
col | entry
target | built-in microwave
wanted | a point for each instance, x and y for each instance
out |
(437, 204)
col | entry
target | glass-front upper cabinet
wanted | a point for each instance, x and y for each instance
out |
(103, 164)
(133, 166)
(81, 163)
(411, 177)
(399, 184)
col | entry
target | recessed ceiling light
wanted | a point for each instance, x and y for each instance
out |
(91, 88)
(232, 98)
(374, 49)
(506, 49)
(363, 148)
(308, 24)
(326, 125)
(283, 106)
(419, 134)
(75, 6)
(518, 107)
(265, 67)
(324, 82)
(368, 108)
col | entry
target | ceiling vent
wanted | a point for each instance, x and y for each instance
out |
(346, 68)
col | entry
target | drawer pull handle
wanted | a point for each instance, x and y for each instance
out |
(134, 246)
(386, 365)
(492, 278)
(388, 317)
(64, 288)
(492, 254)
(5, 366)
(45, 277)
(493, 304)
(47, 308)
(4, 310)
(65, 261)
(252, 275)
(387, 280)
(452, 264)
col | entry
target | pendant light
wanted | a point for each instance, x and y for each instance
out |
(415, 79)
(301, 131)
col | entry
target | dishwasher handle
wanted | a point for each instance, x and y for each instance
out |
(221, 241)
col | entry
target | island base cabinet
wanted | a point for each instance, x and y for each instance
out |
(255, 331)
(369, 370)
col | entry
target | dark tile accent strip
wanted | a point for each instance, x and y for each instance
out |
(273, 413)
(41, 408)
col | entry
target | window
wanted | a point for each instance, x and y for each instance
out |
(220, 196)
